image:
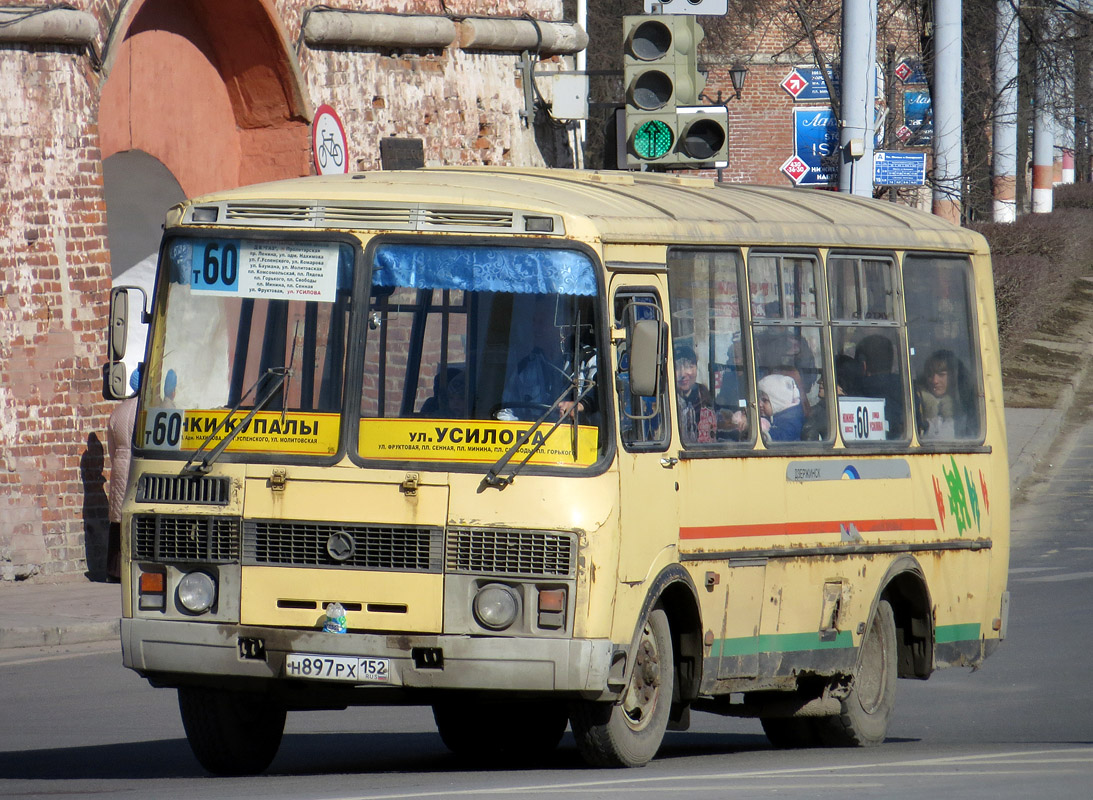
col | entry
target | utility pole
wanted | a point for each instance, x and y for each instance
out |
(858, 97)
(1004, 163)
(1083, 91)
(1043, 139)
(948, 121)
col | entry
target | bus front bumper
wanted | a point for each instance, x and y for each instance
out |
(178, 652)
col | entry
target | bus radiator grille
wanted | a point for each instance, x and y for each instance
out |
(508, 552)
(201, 490)
(165, 537)
(325, 544)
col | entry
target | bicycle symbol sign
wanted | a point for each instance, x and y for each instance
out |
(330, 150)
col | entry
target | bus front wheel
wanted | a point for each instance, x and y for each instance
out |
(231, 733)
(629, 733)
(867, 709)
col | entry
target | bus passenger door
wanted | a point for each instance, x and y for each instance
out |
(647, 472)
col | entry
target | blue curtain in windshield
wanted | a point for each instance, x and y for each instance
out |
(521, 270)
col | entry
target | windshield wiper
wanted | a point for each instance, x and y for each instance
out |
(495, 479)
(280, 376)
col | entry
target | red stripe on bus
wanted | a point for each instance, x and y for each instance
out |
(800, 528)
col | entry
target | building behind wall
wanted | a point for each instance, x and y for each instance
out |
(179, 99)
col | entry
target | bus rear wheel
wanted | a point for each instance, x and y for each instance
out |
(866, 711)
(231, 733)
(629, 733)
(491, 732)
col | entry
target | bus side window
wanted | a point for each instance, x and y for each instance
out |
(941, 325)
(866, 335)
(715, 409)
(787, 328)
(642, 418)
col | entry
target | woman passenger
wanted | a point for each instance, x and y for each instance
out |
(697, 421)
(940, 412)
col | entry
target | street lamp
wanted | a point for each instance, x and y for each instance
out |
(737, 73)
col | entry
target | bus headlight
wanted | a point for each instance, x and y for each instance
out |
(197, 592)
(496, 606)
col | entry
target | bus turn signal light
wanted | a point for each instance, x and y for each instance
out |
(552, 608)
(153, 591)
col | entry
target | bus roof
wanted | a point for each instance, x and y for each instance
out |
(612, 206)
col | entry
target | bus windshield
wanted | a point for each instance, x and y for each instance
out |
(241, 320)
(468, 345)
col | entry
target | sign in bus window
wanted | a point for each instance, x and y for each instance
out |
(862, 418)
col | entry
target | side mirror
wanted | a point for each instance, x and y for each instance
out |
(119, 322)
(645, 357)
(115, 386)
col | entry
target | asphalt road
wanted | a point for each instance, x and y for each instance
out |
(74, 723)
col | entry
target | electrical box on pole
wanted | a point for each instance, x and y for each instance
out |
(660, 70)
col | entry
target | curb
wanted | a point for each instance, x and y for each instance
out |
(60, 634)
(1041, 442)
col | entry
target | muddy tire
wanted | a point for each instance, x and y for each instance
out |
(866, 711)
(508, 732)
(231, 733)
(629, 733)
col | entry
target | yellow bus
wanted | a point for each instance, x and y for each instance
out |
(546, 448)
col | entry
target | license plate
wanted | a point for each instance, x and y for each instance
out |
(337, 668)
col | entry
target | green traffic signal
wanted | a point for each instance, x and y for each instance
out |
(652, 139)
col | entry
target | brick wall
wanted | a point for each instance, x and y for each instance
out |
(54, 266)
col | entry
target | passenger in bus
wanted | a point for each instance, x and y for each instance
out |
(697, 421)
(731, 402)
(780, 414)
(876, 355)
(448, 401)
(786, 353)
(941, 409)
(847, 378)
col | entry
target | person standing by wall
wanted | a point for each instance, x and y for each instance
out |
(120, 443)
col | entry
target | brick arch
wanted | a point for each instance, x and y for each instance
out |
(210, 89)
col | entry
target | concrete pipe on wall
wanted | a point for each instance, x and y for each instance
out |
(357, 29)
(557, 38)
(48, 26)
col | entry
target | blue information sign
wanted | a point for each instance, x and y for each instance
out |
(918, 115)
(899, 169)
(816, 142)
(816, 88)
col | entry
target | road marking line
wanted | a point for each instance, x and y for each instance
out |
(634, 783)
(1069, 576)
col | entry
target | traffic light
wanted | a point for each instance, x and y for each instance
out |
(660, 70)
(703, 134)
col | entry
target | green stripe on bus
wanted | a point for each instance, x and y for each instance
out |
(946, 634)
(780, 643)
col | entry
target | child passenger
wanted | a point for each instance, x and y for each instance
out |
(780, 414)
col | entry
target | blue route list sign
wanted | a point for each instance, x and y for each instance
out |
(895, 168)
(816, 142)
